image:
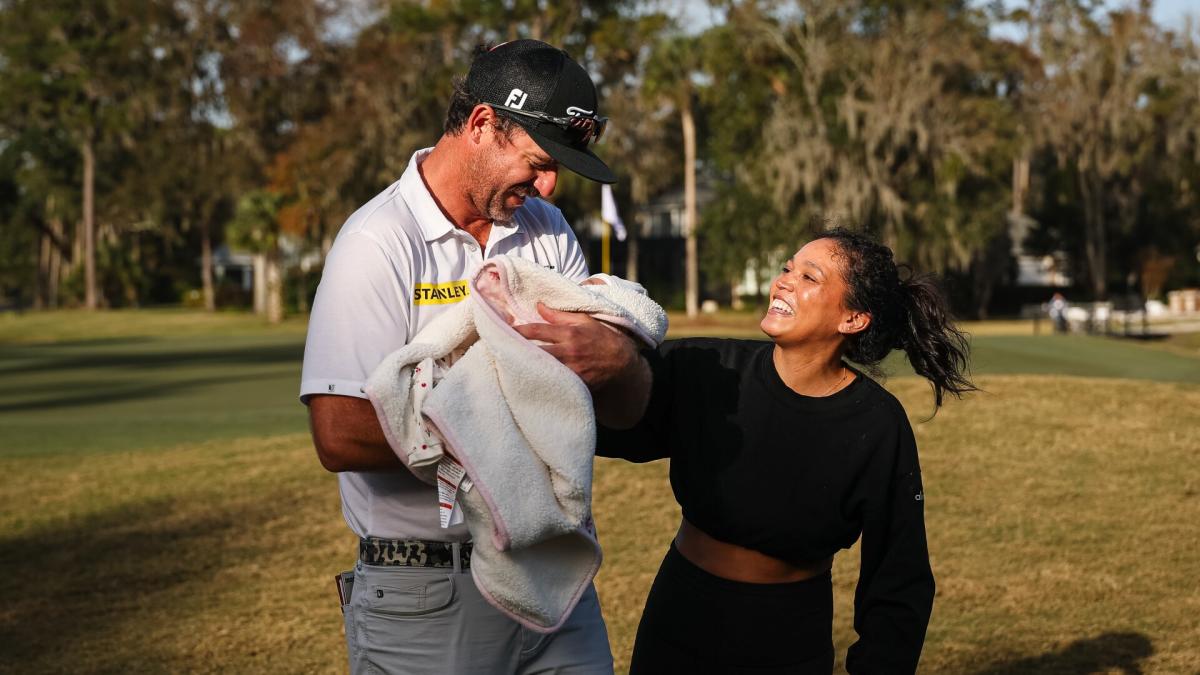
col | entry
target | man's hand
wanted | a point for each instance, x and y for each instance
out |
(596, 352)
(606, 359)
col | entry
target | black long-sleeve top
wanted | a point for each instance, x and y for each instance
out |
(795, 477)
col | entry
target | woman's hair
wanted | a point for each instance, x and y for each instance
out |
(906, 313)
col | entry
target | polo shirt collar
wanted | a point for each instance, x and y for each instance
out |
(431, 220)
(433, 223)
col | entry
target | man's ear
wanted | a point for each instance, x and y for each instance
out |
(854, 322)
(480, 122)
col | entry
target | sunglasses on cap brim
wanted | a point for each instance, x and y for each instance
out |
(580, 129)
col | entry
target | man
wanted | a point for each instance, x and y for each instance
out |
(1058, 312)
(524, 110)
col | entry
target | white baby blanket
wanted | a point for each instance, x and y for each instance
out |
(520, 422)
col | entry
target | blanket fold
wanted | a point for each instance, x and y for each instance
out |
(521, 424)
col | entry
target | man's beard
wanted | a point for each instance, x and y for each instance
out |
(490, 200)
(497, 209)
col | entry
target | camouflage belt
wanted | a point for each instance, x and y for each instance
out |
(412, 552)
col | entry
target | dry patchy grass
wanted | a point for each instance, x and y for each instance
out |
(214, 557)
(1061, 515)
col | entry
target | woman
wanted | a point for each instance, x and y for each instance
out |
(781, 455)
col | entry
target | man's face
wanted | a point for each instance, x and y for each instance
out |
(506, 172)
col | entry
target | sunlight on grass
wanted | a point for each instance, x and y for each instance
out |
(213, 557)
(80, 325)
(744, 324)
(163, 510)
(1060, 509)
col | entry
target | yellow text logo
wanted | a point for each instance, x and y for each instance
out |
(441, 294)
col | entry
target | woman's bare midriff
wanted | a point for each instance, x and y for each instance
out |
(738, 563)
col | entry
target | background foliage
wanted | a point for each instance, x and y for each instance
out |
(164, 126)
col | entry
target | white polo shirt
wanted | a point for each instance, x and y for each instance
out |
(396, 264)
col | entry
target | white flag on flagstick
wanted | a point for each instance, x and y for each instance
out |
(608, 211)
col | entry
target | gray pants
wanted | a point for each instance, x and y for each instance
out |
(434, 620)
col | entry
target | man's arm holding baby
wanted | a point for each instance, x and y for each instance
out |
(607, 360)
(347, 435)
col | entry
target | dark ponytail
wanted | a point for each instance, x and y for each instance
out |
(909, 314)
(935, 347)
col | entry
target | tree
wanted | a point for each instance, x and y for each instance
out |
(92, 75)
(255, 227)
(883, 116)
(639, 145)
(670, 74)
(39, 203)
(1159, 248)
(1090, 110)
(86, 72)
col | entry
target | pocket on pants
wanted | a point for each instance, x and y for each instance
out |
(409, 597)
(403, 617)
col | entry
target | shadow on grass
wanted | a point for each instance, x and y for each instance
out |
(71, 590)
(39, 359)
(75, 344)
(1100, 654)
(105, 394)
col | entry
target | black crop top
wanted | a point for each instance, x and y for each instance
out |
(795, 477)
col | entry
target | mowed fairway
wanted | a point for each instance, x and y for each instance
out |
(161, 509)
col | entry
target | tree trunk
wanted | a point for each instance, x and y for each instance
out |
(301, 294)
(56, 266)
(1094, 244)
(448, 46)
(89, 226)
(206, 266)
(41, 280)
(129, 283)
(76, 249)
(983, 288)
(634, 231)
(1020, 183)
(692, 289)
(260, 284)
(274, 290)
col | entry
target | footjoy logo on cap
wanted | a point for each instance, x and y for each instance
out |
(516, 99)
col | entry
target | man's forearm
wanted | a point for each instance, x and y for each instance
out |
(347, 435)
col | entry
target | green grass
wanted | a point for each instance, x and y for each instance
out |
(165, 377)
(121, 393)
(1010, 347)
(67, 326)
(162, 510)
(1080, 355)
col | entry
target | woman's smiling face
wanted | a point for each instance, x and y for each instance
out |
(808, 298)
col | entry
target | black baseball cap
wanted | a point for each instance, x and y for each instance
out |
(531, 76)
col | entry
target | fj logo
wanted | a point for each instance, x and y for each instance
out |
(516, 99)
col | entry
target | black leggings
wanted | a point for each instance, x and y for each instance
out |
(695, 622)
